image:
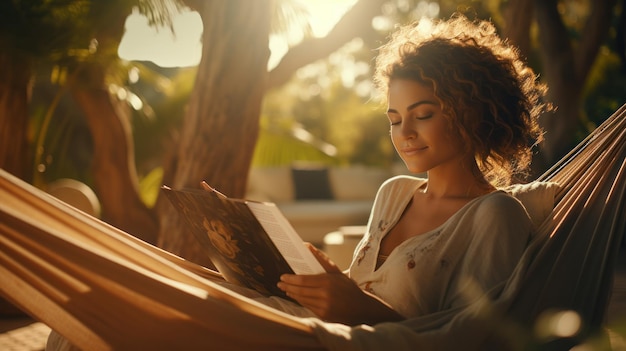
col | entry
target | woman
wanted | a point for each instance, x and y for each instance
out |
(462, 108)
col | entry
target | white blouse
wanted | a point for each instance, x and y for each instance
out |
(476, 249)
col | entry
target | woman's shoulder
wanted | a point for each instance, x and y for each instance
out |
(500, 206)
(500, 201)
(496, 218)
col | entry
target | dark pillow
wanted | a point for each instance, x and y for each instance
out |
(311, 184)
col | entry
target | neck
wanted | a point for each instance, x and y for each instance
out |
(460, 182)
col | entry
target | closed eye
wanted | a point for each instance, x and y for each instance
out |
(421, 118)
(394, 118)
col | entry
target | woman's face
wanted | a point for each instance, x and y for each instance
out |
(419, 131)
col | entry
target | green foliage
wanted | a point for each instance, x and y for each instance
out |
(41, 28)
(280, 148)
(605, 87)
(333, 100)
(164, 94)
(604, 91)
(334, 105)
(150, 185)
(282, 140)
(59, 35)
(62, 141)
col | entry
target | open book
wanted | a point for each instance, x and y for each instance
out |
(250, 243)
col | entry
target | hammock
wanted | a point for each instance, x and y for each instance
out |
(573, 267)
(103, 289)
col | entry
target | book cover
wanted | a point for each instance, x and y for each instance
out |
(232, 236)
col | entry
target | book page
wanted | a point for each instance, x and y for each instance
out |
(286, 239)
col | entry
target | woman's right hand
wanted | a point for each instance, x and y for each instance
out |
(334, 297)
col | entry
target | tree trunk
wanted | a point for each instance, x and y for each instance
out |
(518, 17)
(565, 69)
(15, 77)
(564, 85)
(113, 166)
(221, 124)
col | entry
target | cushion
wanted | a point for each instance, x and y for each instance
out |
(270, 184)
(537, 197)
(357, 183)
(311, 184)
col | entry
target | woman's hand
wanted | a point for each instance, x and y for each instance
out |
(334, 297)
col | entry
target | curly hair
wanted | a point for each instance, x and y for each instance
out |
(489, 96)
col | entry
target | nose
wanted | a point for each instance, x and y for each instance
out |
(408, 130)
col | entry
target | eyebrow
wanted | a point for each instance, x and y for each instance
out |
(413, 105)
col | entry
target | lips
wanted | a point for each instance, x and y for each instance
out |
(412, 150)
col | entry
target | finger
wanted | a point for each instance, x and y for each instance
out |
(298, 293)
(323, 259)
(291, 282)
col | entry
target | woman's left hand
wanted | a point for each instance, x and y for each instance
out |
(333, 296)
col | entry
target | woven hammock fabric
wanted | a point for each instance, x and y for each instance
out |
(573, 267)
(103, 289)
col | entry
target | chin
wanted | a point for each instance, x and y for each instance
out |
(416, 170)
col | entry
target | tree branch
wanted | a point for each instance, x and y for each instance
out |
(355, 23)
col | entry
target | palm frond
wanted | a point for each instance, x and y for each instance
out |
(291, 20)
(160, 12)
(277, 147)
